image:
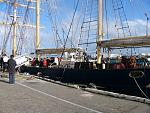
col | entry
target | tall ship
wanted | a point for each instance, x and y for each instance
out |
(118, 72)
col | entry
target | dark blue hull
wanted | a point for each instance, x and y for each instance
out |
(108, 79)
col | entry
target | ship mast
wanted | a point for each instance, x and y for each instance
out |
(37, 25)
(14, 28)
(100, 29)
(15, 24)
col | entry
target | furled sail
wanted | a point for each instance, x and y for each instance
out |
(126, 42)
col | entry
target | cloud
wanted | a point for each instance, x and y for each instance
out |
(47, 39)
(137, 27)
(137, 22)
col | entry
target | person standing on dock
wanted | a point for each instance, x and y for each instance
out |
(1, 61)
(5, 61)
(11, 69)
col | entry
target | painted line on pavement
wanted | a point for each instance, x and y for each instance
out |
(66, 101)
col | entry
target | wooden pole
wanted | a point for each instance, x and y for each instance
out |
(14, 29)
(37, 26)
(100, 29)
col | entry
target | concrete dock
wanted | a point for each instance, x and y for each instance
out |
(31, 95)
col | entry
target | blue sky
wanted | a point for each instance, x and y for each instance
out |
(62, 13)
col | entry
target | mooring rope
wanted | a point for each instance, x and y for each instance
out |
(140, 88)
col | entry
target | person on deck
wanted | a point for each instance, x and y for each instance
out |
(33, 62)
(44, 62)
(11, 69)
(118, 64)
(132, 62)
(36, 62)
(41, 63)
(48, 62)
(124, 60)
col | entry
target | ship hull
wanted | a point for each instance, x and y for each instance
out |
(108, 79)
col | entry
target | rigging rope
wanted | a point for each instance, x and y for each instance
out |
(70, 28)
(6, 35)
(119, 9)
(122, 22)
(54, 24)
(21, 40)
(83, 22)
(89, 26)
(78, 24)
(145, 14)
(107, 26)
(68, 38)
(5, 42)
